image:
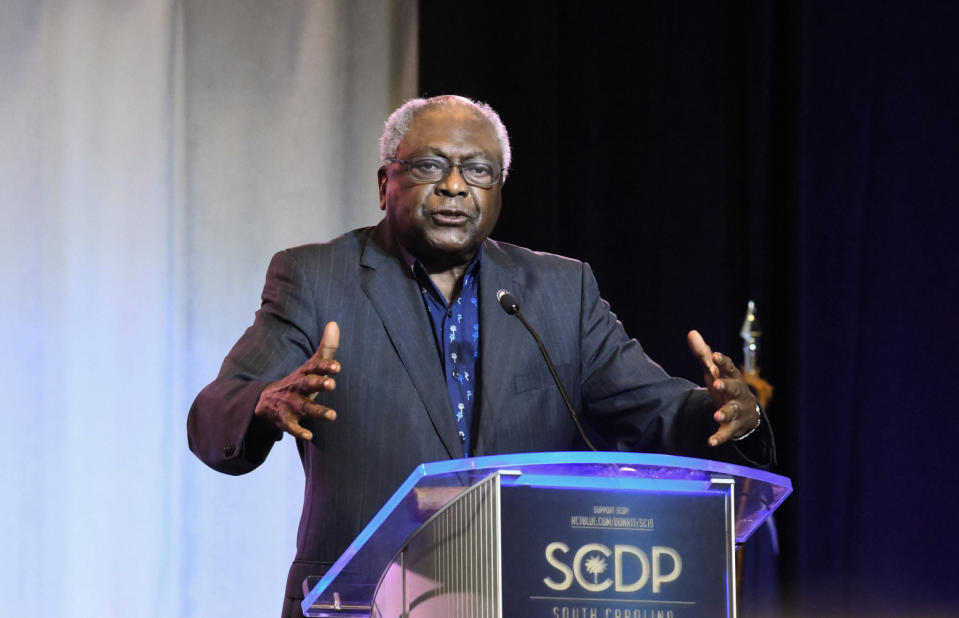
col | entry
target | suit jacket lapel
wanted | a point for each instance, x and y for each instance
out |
(397, 299)
(502, 339)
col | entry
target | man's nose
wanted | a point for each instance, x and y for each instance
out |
(453, 184)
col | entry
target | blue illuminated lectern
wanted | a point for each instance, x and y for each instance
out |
(553, 534)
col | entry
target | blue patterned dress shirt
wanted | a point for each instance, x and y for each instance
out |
(456, 331)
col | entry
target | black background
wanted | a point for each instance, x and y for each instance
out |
(700, 154)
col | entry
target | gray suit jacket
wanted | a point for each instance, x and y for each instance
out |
(391, 400)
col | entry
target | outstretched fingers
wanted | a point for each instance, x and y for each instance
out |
(722, 435)
(726, 366)
(732, 417)
(285, 403)
(736, 406)
(290, 415)
(732, 389)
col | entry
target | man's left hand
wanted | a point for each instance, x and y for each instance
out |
(736, 406)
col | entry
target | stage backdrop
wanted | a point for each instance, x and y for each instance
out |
(805, 155)
(155, 154)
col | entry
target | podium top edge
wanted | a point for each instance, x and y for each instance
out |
(607, 458)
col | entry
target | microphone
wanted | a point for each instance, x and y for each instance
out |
(508, 302)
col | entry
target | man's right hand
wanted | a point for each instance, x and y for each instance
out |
(286, 402)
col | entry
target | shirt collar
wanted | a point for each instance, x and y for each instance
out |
(414, 264)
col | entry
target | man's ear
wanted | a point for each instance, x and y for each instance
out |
(381, 179)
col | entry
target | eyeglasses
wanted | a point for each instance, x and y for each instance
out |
(480, 173)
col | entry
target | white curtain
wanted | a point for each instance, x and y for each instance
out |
(155, 154)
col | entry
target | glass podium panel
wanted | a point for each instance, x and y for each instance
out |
(348, 588)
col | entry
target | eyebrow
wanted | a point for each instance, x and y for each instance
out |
(478, 154)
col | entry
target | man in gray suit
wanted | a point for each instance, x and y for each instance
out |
(386, 348)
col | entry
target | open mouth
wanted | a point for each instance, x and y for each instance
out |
(450, 217)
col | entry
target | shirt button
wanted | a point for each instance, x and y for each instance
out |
(229, 449)
(462, 437)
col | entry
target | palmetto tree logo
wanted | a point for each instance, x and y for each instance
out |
(596, 566)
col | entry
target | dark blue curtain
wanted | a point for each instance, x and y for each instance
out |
(877, 293)
(802, 155)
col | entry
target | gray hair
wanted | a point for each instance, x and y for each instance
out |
(400, 120)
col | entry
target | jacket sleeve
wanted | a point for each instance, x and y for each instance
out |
(221, 428)
(634, 405)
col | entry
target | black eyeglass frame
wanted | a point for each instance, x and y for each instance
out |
(447, 166)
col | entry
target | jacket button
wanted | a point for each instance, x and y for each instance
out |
(229, 449)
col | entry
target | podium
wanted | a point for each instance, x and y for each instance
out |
(565, 534)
